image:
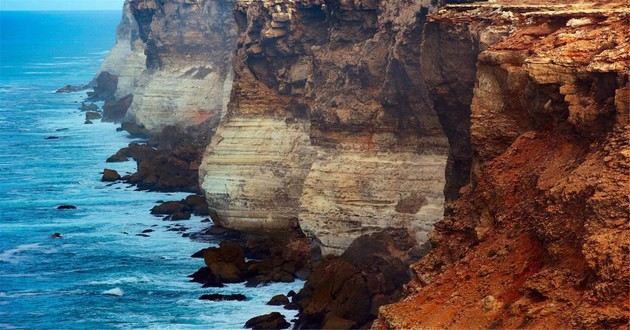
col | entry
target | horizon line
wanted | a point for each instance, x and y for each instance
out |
(57, 10)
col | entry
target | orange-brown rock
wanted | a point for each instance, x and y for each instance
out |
(539, 239)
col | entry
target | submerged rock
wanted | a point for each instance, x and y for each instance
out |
(273, 320)
(71, 89)
(52, 137)
(223, 297)
(56, 235)
(66, 207)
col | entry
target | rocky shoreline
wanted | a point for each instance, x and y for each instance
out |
(388, 149)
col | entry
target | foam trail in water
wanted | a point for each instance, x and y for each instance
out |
(12, 256)
(118, 292)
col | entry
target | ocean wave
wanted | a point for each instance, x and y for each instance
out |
(12, 256)
(103, 52)
(118, 292)
(122, 280)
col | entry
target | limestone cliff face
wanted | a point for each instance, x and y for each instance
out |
(174, 58)
(126, 60)
(330, 126)
(537, 238)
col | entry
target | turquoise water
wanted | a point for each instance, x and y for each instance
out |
(59, 283)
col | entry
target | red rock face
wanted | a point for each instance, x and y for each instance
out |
(537, 239)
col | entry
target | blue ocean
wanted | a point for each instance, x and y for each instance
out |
(48, 283)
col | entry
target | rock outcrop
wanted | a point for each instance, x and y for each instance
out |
(537, 238)
(329, 124)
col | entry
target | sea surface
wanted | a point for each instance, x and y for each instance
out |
(48, 283)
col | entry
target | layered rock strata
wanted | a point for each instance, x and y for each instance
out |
(537, 239)
(330, 125)
(174, 58)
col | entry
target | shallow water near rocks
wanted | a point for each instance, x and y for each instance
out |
(100, 275)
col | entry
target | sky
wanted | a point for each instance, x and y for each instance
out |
(61, 4)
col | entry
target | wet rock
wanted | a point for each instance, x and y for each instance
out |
(66, 207)
(52, 137)
(198, 254)
(205, 276)
(163, 170)
(346, 291)
(70, 89)
(227, 262)
(115, 111)
(278, 300)
(56, 235)
(88, 106)
(119, 156)
(88, 122)
(146, 231)
(143, 235)
(134, 130)
(92, 115)
(168, 208)
(183, 209)
(110, 175)
(223, 297)
(105, 86)
(273, 320)
(197, 204)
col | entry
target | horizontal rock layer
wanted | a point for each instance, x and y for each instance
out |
(325, 128)
(174, 57)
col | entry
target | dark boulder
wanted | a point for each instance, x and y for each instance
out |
(115, 110)
(66, 207)
(227, 262)
(105, 86)
(223, 297)
(269, 321)
(197, 204)
(179, 215)
(168, 208)
(198, 254)
(87, 106)
(278, 300)
(52, 137)
(205, 276)
(346, 291)
(135, 130)
(56, 235)
(71, 89)
(92, 115)
(110, 175)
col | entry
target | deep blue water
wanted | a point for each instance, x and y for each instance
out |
(59, 283)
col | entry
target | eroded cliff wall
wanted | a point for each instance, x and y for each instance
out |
(330, 126)
(173, 57)
(538, 238)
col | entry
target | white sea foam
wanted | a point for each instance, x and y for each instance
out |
(13, 256)
(122, 280)
(118, 292)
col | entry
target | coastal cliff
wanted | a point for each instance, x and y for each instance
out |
(172, 58)
(329, 126)
(537, 238)
(487, 143)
